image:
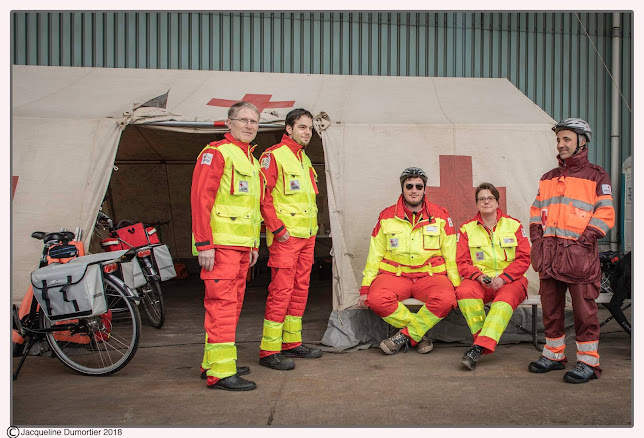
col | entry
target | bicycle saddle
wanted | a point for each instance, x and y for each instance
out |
(62, 236)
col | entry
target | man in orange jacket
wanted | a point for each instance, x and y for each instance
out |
(412, 253)
(225, 194)
(573, 208)
(290, 214)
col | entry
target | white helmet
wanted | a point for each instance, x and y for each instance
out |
(579, 126)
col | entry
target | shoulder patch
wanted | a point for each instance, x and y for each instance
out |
(266, 161)
(523, 233)
(606, 190)
(206, 159)
(449, 221)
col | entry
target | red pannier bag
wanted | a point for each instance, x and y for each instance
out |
(153, 236)
(133, 236)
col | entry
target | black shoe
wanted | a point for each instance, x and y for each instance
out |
(543, 365)
(302, 351)
(277, 362)
(234, 383)
(241, 371)
(471, 356)
(580, 373)
(395, 343)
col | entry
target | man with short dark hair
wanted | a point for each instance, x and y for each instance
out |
(290, 214)
(412, 253)
(226, 222)
(572, 210)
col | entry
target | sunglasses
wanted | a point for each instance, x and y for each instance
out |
(411, 186)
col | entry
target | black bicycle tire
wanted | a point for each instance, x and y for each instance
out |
(155, 289)
(124, 360)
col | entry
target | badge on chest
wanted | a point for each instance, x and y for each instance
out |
(295, 184)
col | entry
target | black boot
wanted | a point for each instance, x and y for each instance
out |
(303, 351)
(543, 365)
(580, 373)
(277, 362)
(472, 356)
(234, 383)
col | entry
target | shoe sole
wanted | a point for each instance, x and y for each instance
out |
(571, 380)
(543, 370)
(384, 348)
(425, 350)
(278, 369)
(467, 364)
(231, 389)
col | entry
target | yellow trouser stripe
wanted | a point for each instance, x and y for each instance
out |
(292, 330)
(497, 320)
(474, 312)
(424, 321)
(220, 359)
(271, 336)
(401, 317)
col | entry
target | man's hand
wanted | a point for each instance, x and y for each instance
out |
(254, 255)
(362, 301)
(485, 280)
(284, 237)
(497, 282)
(207, 259)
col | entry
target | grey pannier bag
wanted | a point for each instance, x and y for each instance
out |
(133, 275)
(164, 263)
(70, 290)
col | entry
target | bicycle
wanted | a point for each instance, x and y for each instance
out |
(128, 234)
(95, 345)
(616, 279)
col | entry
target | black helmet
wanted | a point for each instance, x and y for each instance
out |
(579, 126)
(413, 172)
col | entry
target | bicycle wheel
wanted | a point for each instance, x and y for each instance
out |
(152, 302)
(102, 344)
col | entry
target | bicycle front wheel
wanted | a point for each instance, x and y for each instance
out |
(152, 302)
(102, 344)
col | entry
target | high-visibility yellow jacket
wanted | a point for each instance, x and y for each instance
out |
(229, 215)
(398, 247)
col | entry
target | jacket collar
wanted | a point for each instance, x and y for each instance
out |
(292, 144)
(401, 208)
(499, 215)
(576, 161)
(244, 146)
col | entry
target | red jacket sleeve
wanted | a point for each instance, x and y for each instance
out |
(519, 266)
(269, 170)
(466, 268)
(205, 184)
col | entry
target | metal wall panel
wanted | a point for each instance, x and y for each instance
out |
(548, 56)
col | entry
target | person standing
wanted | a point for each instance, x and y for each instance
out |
(412, 253)
(226, 220)
(493, 254)
(290, 213)
(573, 208)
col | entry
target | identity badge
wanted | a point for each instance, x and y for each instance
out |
(243, 186)
(393, 242)
(431, 228)
(508, 240)
(206, 159)
(480, 256)
(295, 184)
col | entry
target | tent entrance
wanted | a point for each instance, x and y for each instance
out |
(151, 181)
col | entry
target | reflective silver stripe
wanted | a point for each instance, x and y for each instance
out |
(599, 224)
(566, 201)
(588, 346)
(604, 203)
(554, 231)
(537, 203)
(556, 342)
(552, 356)
(590, 360)
(535, 219)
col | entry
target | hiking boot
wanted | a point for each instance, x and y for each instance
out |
(471, 356)
(395, 343)
(234, 383)
(543, 365)
(302, 351)
(241, 371)
(277, 362)
(580, 373)
(425, 345)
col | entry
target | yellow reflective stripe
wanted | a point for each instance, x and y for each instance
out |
(590, 360)
(292, 329)
(271, 336)
(424, 321)
(406, 269)
(588, 346)
(220, 359)
(474, 312)
(401, 317)
(556, 342)
(497, 320)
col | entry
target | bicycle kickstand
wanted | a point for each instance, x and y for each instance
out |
(31, 343)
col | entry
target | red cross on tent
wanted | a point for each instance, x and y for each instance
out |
(456, 190)
(261, 101)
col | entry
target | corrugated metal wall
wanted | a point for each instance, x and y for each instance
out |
(548, 56)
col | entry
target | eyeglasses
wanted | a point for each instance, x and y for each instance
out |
(487, 198)
(411, 186)
(247, 121)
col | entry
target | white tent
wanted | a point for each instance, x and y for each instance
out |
(67, 124)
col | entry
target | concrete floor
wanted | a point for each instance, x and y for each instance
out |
(161, 385)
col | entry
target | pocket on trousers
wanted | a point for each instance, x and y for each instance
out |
(281, 255)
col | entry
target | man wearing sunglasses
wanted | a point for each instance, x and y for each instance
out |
(290, 213)
(573, 208)
(412, 253)
(226, 221)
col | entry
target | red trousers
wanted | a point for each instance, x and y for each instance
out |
(584, 307)
(225, 287)
(436, 291)
(291, 263)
